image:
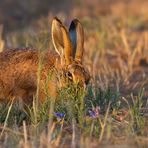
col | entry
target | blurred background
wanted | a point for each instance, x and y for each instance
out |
(16, 14)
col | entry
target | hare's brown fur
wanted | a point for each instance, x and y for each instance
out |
(18, 72)
(19, 67)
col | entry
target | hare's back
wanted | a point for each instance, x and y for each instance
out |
(24, 55)
(18, 55)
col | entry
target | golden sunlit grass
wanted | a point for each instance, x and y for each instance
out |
(1, 39)
(113, 109)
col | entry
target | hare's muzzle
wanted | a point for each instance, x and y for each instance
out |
(80, 76)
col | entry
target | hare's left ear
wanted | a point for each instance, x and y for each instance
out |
(76, 33)
(61, 40)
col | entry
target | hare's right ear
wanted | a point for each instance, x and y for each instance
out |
(76, 33)
(61, 40)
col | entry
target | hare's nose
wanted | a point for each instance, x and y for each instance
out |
(87, 79)
(82, 84)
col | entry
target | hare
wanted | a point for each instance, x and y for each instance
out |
(19, 67)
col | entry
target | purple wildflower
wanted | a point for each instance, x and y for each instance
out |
(91, 113)
(59, 115)
(94, 112)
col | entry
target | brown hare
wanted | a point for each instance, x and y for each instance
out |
(19, 67)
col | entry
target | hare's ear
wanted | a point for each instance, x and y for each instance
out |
(76, 33)
(61, 40)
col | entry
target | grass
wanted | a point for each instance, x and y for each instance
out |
(112, 110)
(68, 120)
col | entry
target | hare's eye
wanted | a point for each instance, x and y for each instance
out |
(69, 75)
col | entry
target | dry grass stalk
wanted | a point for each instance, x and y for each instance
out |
(2, 43)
